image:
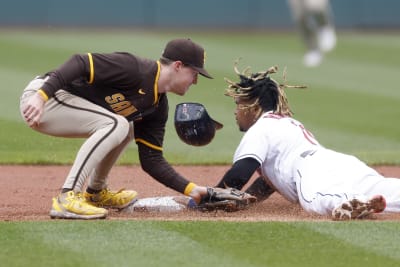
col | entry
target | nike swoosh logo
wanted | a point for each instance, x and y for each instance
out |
(141, 92)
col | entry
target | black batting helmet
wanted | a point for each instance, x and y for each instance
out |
(193, 124)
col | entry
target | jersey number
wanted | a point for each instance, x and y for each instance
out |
(307, 134)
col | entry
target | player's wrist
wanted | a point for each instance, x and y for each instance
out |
(195, 192)
(42, 95)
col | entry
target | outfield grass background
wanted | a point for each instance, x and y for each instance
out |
(153, 243)
(352, 105)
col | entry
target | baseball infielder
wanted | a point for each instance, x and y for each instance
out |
(111, 99)
(292, 162)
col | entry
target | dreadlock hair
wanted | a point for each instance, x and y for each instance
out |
(264, 91)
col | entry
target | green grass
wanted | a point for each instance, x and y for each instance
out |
(351, 104)
(152, 243)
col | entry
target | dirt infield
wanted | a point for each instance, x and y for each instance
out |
(26, 193)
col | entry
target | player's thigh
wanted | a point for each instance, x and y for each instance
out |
(67, 115)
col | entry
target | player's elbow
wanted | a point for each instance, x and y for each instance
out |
(149, 158)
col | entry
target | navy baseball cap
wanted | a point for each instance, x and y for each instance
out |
(190, 53)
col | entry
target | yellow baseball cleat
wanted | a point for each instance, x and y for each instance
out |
(111, 199)
(71, 205)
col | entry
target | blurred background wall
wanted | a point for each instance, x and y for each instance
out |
(257, 14)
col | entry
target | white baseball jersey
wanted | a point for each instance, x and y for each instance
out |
(304, 171)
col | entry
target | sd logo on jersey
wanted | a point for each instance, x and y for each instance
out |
(120, 106)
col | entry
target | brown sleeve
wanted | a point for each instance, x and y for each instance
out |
(154, 163)
(74, 68)
(112, 68)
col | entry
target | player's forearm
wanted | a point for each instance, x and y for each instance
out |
(260, 189)
(156, 166)
(239, 174)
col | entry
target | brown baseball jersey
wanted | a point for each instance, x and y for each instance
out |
(120, 82)
(127, 85)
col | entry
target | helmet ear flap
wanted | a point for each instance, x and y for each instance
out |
(193, 124)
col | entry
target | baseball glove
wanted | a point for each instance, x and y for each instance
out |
(226, 199)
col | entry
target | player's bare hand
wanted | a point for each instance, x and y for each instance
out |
(34, 109)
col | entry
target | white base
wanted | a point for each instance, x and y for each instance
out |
(160, 204)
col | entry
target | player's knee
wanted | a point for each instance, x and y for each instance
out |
(124, 129)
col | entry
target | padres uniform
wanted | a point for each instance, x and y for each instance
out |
(303, 171)
(110, 99)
